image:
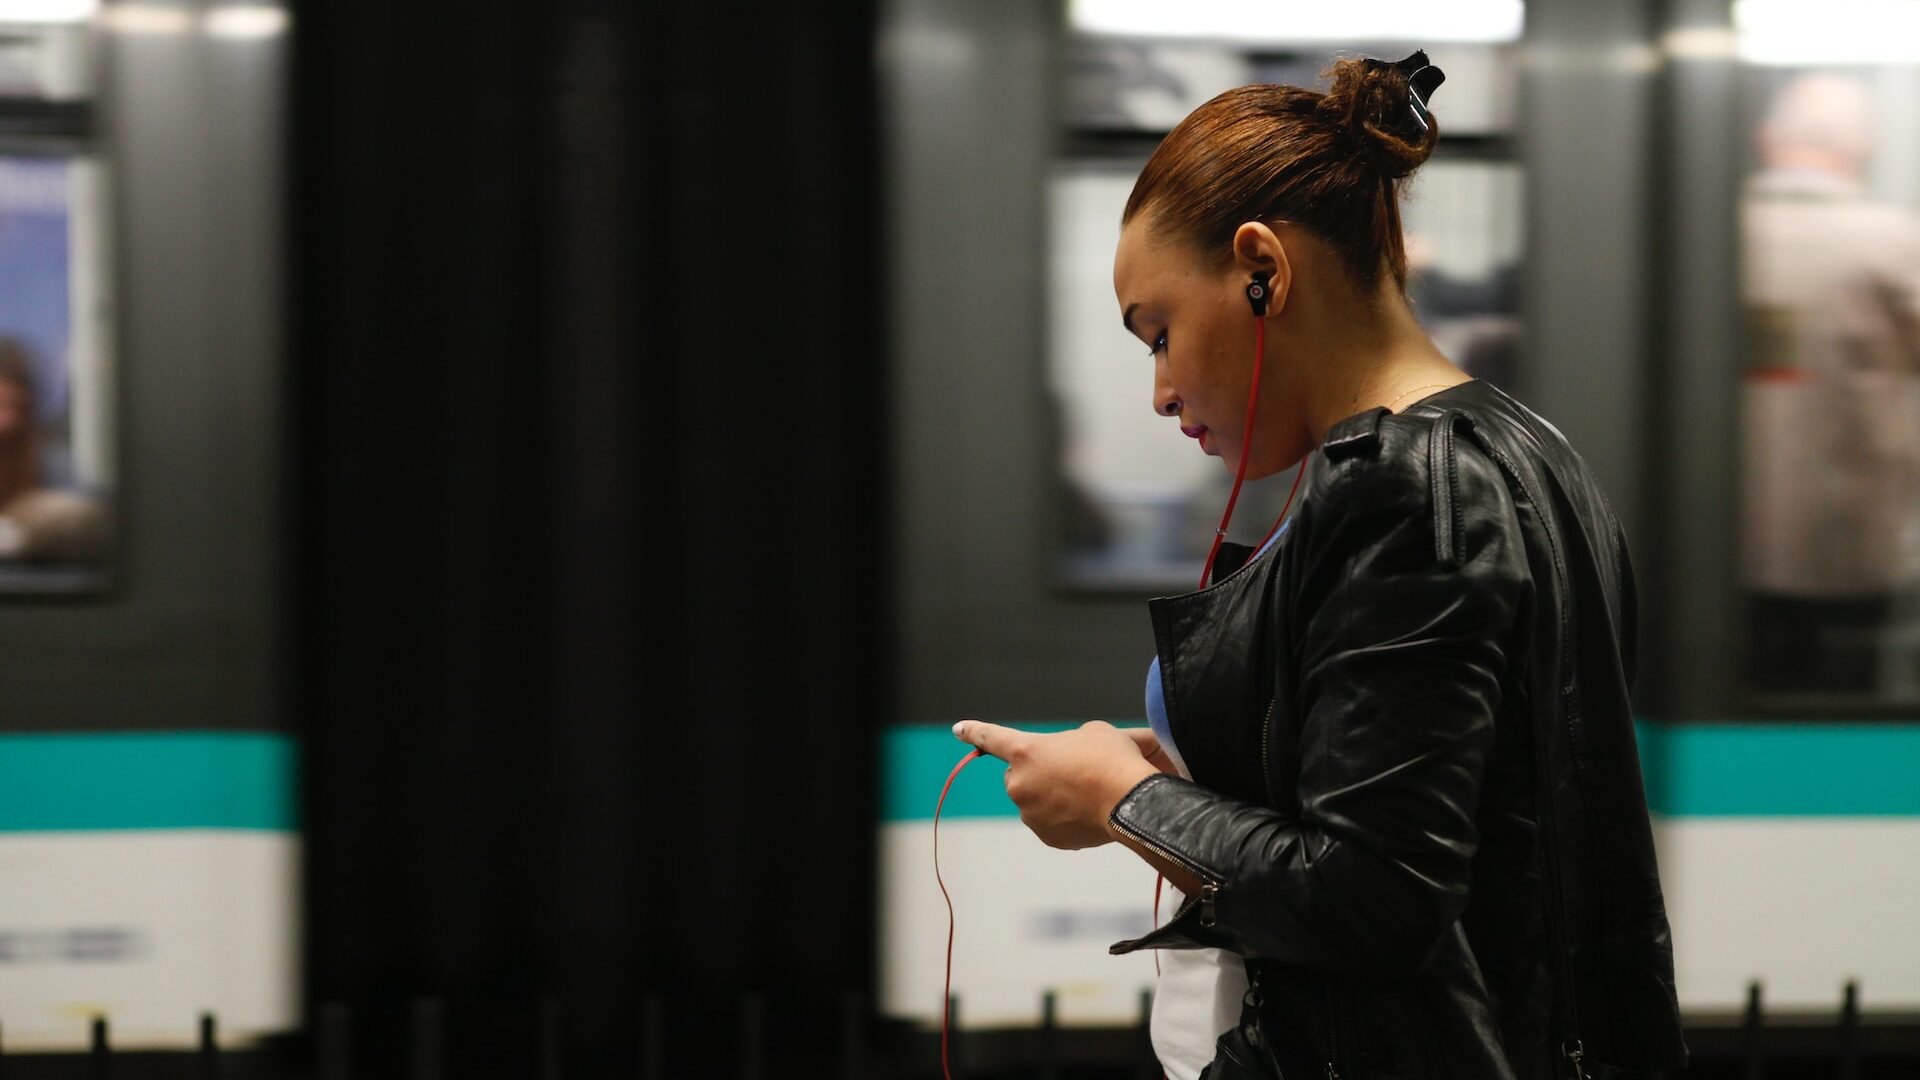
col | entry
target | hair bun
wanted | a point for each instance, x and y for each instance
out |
(1381, 107)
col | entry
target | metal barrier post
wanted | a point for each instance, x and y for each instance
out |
(336, 1042)
(753, 1025)
(1149, 1062)
(429, 1041)
(853, 1036)
(101, 1064)
(552, 1038)
(1850, 1032)
(1049, 1036)
(209, 1048)
(653, 1038)
(1754, 1053)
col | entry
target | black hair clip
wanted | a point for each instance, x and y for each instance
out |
(1422, 79)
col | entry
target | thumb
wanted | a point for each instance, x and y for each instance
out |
(1150, 748)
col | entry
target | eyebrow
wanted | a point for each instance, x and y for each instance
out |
(1126, 318)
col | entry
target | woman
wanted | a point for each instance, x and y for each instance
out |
(1396, 783)
(19, 436)
(38, 522)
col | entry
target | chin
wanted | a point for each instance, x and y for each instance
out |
(1260, 470)
(1262, 465)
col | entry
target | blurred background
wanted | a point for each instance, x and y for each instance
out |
(500, 504)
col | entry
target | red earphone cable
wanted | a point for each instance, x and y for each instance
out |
(1206, 574)
(1246, 444)
(1158, 880)
(946, 996)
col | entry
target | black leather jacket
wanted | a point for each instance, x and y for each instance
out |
(1361, 708)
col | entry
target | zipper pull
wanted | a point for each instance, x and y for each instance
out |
(1332, 1073)
(1208, 892)
(1575, 1052)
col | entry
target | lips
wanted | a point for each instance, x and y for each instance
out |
(1193, 432)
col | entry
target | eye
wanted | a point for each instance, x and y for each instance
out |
(1159, 344)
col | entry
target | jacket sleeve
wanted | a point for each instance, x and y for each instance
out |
(1400, 654)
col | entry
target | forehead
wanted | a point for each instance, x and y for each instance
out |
(1150, 263)
(1139, 259)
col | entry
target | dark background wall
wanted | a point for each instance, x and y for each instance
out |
(590, 507)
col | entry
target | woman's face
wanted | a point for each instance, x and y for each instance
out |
(16, 408)
(1193, 313)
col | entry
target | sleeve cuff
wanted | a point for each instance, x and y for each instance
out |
(1159, 808)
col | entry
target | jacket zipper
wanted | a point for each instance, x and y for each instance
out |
(1209, 888)
(1333, 1038)
(1266, 773)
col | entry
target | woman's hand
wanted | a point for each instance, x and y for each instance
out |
(1151, 749)
(1066, 783)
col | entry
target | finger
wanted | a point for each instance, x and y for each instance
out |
(1150, 748)
(994, 739)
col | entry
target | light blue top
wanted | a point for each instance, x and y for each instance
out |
(1156, 696)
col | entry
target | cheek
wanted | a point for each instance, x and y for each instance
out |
(1212, 371)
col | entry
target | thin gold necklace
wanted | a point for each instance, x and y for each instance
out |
(1395, 401)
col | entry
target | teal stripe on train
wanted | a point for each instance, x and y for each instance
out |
(147, 780)
(1782, 769)
(1774, 769)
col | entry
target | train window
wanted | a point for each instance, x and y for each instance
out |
(1830, 385)
(57, 461)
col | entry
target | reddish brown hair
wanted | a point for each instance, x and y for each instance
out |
(1331, 162)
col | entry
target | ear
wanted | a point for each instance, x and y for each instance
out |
(1257, 247)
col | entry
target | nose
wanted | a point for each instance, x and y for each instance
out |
(1165, 401)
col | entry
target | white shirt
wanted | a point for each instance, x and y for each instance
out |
(1196, 998)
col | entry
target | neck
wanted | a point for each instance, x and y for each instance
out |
(1364, 354)
(1813, 159)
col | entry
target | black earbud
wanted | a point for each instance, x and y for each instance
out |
(1258, 291)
